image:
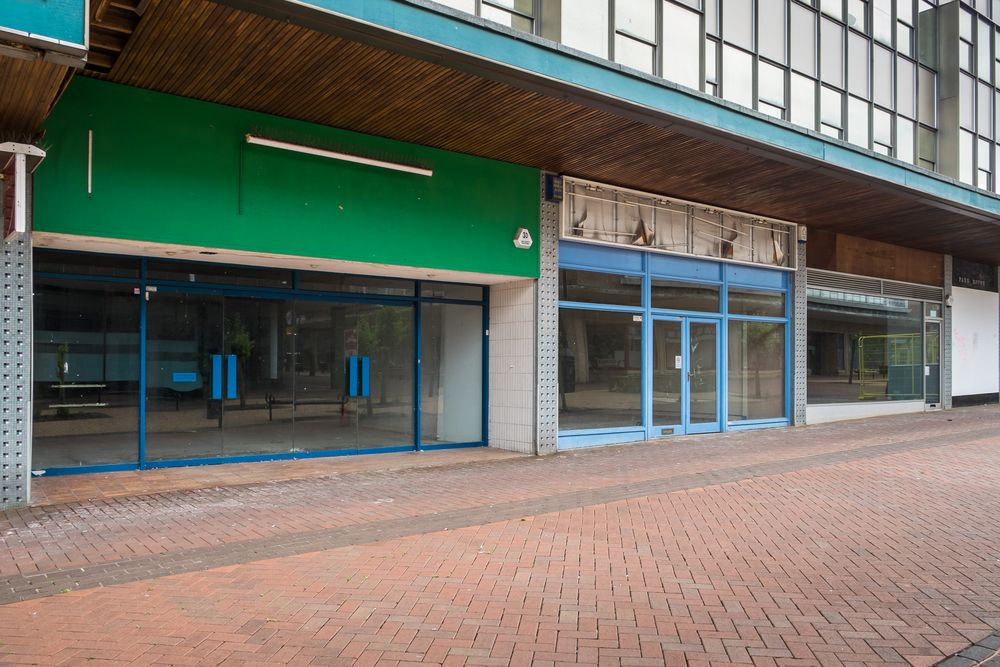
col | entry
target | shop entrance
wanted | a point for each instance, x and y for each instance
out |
(685, 393)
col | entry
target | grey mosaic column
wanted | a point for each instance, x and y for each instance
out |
(799, 340)
(946, 338)
(547, 327)
(15, 371)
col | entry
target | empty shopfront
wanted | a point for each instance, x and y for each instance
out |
(151, 362)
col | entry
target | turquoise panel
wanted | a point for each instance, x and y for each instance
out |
(62, 20)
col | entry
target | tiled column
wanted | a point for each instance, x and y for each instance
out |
(512, 366)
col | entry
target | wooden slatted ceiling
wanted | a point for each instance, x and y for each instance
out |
(199, 49)
(30, 88)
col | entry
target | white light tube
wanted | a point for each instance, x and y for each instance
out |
(309, 150)
(20, 193)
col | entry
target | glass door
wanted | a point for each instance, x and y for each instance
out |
(932, 362)
(668, 377)
(685, 392)
(703, 376)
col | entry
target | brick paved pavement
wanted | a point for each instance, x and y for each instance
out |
(869, 542)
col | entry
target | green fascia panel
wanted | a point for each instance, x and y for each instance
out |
(453, 30)
(62, 21)
(175, 170)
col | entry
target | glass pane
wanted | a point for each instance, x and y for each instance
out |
(703, 373)
(600, 370)
(803, 101)
(451, 374)
(186, 376)
(633, 53)
(667, 372)
(756, 302)
(324, 415)
(882, 21)
(220, 274)
(863, 347)
(857, 66)
(926, 144)
(756, 370)
(834, 8)
(932, 362)
(771, 84)
(586, 27)
(831, 107)
(737, 22)
(84, 264)
(906, 87)
(983, 56)
(712, 17)
(857, 15)
(384, 334)
(928, 98)
(737, 76)
(594, 287)
(803, 38)
(904, 39)
(711, 61)
(882, 127)
(260, 342)
(832, 53)
(451, 291)
(857, 122)
(966, 159)
(882, 80)
(85, 390)
(636, 17)
(509, 19)
(675, 295)
(984, 110)
(682, 31)
(335, 282)
(904, 140)
(771, 29)
(967, 102)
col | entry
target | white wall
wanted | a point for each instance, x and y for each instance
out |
(975, 342)
(512, 366)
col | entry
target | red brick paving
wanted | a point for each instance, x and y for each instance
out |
(41, 539)
(892, 559)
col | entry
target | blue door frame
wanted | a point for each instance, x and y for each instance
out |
(648, 266)
(147, 289)
(686, 426)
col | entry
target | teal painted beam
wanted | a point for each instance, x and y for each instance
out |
(545, 60)
(45, 23)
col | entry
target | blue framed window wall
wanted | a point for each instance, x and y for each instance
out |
(143, 362)
(649, 326)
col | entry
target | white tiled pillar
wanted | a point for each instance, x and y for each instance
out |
(512, 366)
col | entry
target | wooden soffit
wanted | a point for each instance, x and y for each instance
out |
(210, 51)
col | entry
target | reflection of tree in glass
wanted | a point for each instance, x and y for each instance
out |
(764, 339)
(239, 343)
(381, 334)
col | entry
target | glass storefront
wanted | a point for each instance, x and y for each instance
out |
(221, 362)
(864, 347)
(653, 345)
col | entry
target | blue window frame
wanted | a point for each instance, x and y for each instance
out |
(710, 276)
(464, 295)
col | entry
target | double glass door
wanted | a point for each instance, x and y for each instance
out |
(230, 376)
(685, 392)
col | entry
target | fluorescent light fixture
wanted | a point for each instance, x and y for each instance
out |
(346, 157)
